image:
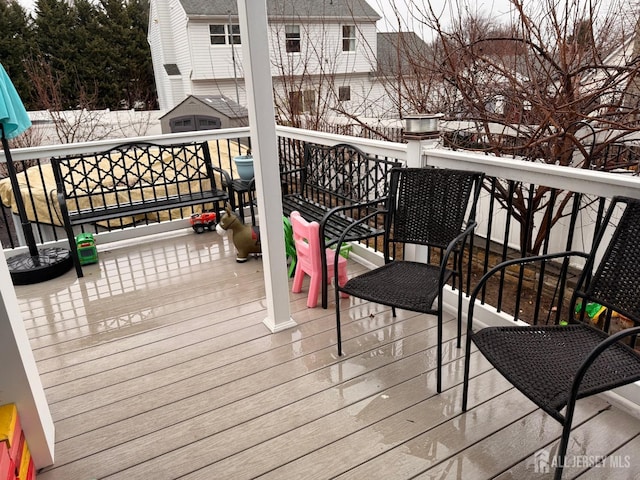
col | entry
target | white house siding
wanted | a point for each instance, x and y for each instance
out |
(207, 69)
(366, 47)
(373, 99)
(181, 46)
(176, 91)
(158, 52)
(167, 30)
(621, 56)
(212, 61)
(320, 43)
(321, 50)
(368, 97)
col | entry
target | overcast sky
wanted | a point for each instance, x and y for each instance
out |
(443, 8)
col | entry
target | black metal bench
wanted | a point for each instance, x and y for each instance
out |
(132, 180)
(335, 186)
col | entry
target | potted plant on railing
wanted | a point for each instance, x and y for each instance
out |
(244, 165)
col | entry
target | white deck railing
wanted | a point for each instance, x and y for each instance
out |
(587, 182)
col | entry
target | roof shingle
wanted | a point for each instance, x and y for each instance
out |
(349, 9)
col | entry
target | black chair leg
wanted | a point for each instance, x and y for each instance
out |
(457, 279)
(325, 276)
(465, 384)
(338, 332)
(73, 248)
(459, 341)
(564, 440)
(439, 350)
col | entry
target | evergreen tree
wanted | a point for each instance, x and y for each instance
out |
(15, 44)
(97, 71)
(59, 49)
(141, 86)
(125, 57)
(96, 54)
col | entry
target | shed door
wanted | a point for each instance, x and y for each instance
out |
(190, 123)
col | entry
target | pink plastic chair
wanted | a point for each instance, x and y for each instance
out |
(306, 236)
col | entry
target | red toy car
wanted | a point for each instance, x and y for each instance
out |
(200, 221)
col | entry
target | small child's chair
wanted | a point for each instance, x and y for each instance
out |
(306, 236)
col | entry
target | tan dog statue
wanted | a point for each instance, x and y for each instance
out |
(245, 237)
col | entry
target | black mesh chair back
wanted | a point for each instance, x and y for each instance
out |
(555, 365)
(616, 282)
(429, 207)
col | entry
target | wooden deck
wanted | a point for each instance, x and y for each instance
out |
(157, 366)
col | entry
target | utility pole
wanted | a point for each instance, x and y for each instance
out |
(233, 56)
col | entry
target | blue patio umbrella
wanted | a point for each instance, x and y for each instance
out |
(39, 264)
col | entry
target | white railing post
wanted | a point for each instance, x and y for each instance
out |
(414, 153)
(421, 131)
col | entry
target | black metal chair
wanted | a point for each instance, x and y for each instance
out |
(426, 206)
(554, 365)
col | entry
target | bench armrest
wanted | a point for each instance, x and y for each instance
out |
(346, 231)
(225, 178)
(344, 208)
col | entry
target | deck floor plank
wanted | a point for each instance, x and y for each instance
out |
(607, 430)
(332, 406)
(619, 464)
(157, 365)
(321, 448)
(246, 397)
(190, 388)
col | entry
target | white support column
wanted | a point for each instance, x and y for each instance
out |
(416, 253)
(257, 75)
(19, 378)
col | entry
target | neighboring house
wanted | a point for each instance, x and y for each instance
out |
(399, 53)
(322, 52)
(400, 70)
(624, 96)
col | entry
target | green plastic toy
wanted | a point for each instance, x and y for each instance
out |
(290, 246)
(86, 246)
(592, 309)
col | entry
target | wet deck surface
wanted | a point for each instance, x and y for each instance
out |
(157, 365)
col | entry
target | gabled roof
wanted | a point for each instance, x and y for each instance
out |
(398, 52)
(219, 103)
(327, 9)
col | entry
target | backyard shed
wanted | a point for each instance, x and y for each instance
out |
(204, 112)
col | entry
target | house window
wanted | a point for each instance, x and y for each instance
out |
(309, 101)
(295, 102)
(344, 93)
(234, 34)
(348, 38)
(292, 38)
(217, 34)
(302, 101)
(224, 34)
